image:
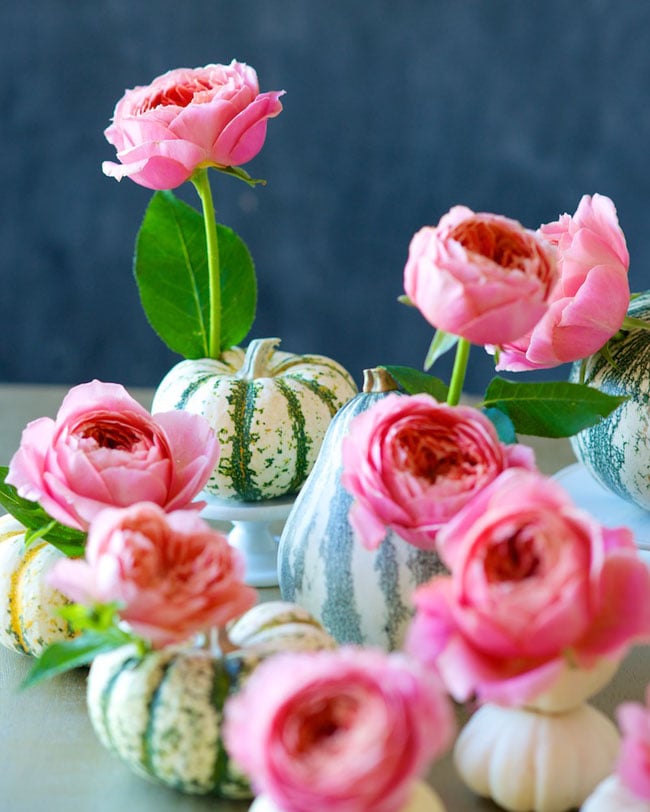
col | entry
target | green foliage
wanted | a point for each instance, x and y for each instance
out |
(39, 524)
(171, 270)
(441, 343)
(554, 409)
(413, 382)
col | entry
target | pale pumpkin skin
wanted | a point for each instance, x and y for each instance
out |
(269, 409)
(162, 713)
(613, 796)
(29, 620)
(616, 451)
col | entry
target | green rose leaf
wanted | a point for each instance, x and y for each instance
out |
(40, 525)
(415, 382)
(171, 270)
(442, 342)
(503, 424)
(553, 409)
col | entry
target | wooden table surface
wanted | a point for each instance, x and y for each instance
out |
(50, 759)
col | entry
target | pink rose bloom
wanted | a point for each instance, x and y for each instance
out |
(187, 118)
(412, 463)
(535, 583)
(345, 730)
(171, 573)
(105, 450)
(588, 305)
(480, 276)
(633, 766)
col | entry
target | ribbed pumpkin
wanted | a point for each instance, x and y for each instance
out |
(270, 410)
(617, 449)
(360, 596)
(162, 713)
(28, 605)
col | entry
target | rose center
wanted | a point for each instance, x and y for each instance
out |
(493, 241)
(110, 435)
(180, 95)
(512, 559)
(421, 456)
(322, 723)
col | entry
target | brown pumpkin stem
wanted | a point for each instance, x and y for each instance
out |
(225, 643)
(378, 379)
(256, 360)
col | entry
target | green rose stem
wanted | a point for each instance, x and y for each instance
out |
(202, 185)
(458, 372)
(630, 323)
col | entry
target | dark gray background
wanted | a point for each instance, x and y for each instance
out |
(394, 112)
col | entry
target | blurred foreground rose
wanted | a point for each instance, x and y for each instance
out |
(482, 277)
(535, 583)
(189, 118)
(588, 305)
(171, 573)
(105, 450)
(633, 766)
(412, 463)
(346, 730)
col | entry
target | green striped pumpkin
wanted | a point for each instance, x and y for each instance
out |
(28, 605)
(162, 713)
(270, 411)
(360, 596)
(617, 449)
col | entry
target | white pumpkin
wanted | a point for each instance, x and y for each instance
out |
(611, 795)
(616, 450)
(162, 713)
(269, 409)
(421, 799)
(29, 619)
(527, 761)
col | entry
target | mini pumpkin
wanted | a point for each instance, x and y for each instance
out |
(29, 619)
(162, 713)
(269, 409)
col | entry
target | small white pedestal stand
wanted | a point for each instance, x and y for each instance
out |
(251, 533)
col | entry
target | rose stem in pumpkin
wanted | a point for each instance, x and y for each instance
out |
(458, 372)
(201, 183)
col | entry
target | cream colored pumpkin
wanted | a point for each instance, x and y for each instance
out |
(162, 713)
(269, 409)
(29, 619)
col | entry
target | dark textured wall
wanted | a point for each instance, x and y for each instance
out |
(394, 112)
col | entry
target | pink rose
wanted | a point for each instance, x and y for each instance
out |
(535, 583)
(171, 573)
(633, 766)
(412, 463)
(590, 301)
(189, 118)
(105, 450)
(480, 276)
(345, 730)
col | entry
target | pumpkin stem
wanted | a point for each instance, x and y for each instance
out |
(225, 643)
(256, 360)
(378, 379)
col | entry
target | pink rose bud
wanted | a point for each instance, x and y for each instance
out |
(188, 118)
(344, 731)
(412, 463)
(480, 276)
(171, 573)
(535, 582)
(589, 303)
(633, 765)
(105, 450)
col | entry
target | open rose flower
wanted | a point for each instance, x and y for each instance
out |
(412, 463)
(188, 118)
(480, 276)
(633, 765)
(171, 573)
(535, 583)
(346, 730)
(105, 450)
(588, 305)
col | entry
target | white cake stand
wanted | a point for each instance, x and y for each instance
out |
(251, 533)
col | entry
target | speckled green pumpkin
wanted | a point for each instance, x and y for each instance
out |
(617, 449)
(360, 596)
(269, 409)
(162, 713)
(29, 619)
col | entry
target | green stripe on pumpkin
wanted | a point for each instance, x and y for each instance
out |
(322, 392)
(152, 708)
(303, 442)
